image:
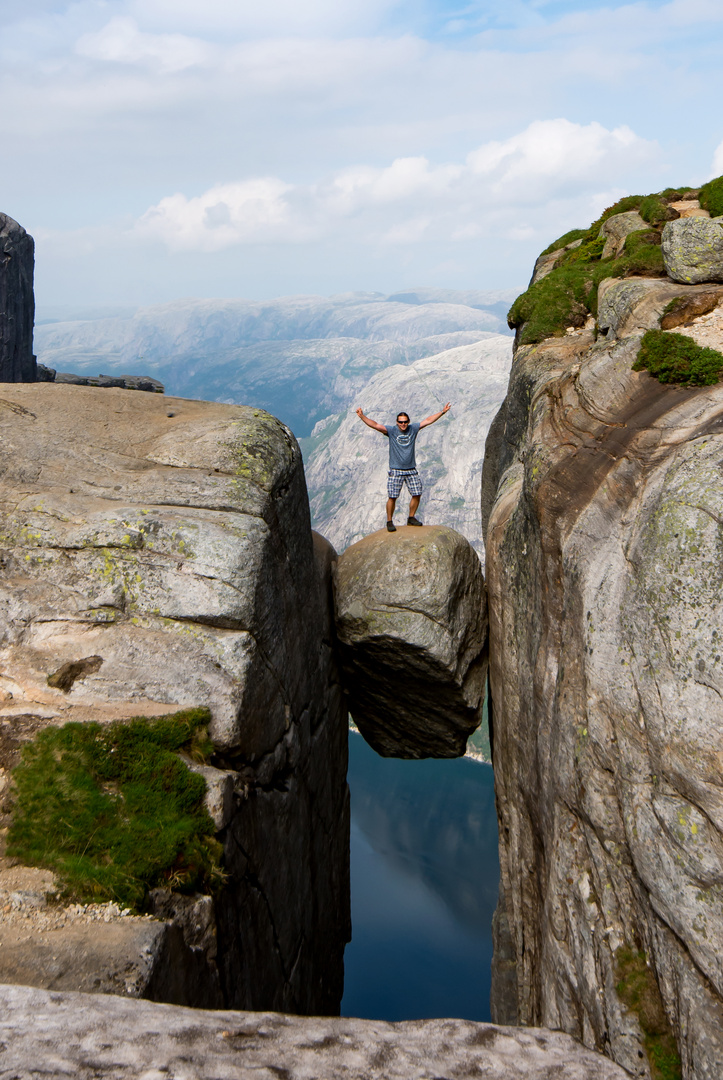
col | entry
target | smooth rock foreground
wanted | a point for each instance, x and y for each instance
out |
(86, 1036)
(411, 620)
(156, 554)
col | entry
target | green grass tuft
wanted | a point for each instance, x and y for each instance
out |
(675, 358)
(655, 210)
(677, 194)
(568, 294)
(113, 810)
(711, 197)
(567, 238)
(638, 990)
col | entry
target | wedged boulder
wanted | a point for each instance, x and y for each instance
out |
(411, 614)
(693, 250)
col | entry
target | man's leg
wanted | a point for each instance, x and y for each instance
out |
(414, 485)
(391, 503)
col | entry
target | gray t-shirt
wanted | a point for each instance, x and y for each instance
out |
(401, 446)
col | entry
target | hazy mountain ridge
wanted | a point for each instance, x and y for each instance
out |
(346, 462)
(300, 357)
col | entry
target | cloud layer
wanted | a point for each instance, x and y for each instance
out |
(365, 144)
(498, 189)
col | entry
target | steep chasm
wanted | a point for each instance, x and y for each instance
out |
(156, 556)
(603, 502)
(17, 303)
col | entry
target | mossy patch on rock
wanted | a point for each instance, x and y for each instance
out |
(568, 294)
(711, 197)
(655, 209)
(638, 991)
(677, 358)
(113, 810)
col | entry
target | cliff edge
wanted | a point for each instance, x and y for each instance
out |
(157, 556)
(604, 500)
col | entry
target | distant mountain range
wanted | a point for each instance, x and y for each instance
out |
(346, 462)
(302, 358)
(310, 360)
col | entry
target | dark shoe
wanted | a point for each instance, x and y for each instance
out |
(391, 527)
(414, 521)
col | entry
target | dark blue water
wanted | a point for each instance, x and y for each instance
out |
(424, 877)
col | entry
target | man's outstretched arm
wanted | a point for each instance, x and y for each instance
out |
(435, 416)
(371, 423)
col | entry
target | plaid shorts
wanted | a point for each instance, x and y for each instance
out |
(397, 477)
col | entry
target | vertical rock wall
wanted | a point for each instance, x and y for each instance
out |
(17, 303)
(604, 577)
(162, 548)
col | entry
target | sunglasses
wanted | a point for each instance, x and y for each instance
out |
(402, 421)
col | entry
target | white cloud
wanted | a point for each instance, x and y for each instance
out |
(226, 214)
(121, 42)
(273, 17)
(411, 200)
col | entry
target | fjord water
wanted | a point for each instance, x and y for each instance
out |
(424, 878)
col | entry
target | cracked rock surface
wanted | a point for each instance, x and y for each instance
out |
(412, 628)
(157, 554)
(604, 576)
(57, 1035)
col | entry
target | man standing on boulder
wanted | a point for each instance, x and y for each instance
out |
(402, 464)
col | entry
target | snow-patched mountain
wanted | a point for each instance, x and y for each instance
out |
(347, 462)
(300, 357)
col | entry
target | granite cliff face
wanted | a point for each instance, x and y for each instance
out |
(604, 496)
(17, 304)
(157, 554)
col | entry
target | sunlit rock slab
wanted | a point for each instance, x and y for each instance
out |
(412, 628)
(61, 1034)
(161, 549)
(167, 537)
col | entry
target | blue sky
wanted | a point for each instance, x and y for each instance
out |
(167, 148)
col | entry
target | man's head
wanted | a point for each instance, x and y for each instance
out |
(402, 421)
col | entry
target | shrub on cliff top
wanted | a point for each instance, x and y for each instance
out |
(567, 238)
(113, 810)
(569, 293)
(655, 210)
(676, 358)
(711, 197)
